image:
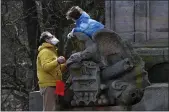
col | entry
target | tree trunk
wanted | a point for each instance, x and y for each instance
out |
(33, 31)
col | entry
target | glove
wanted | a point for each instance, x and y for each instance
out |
(61, 59)
(70, 35)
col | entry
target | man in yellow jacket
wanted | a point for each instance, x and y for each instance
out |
(49, 70)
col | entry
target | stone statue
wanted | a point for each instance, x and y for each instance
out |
(105, 70)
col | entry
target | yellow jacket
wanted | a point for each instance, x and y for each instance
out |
(48, 69)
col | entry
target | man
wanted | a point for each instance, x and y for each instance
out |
(84, 23)
(49, 67)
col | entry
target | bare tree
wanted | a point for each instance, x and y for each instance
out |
(22, 23)
(16, 64)
(33, 32)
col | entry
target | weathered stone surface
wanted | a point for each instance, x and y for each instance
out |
(105, 108)
(154, 43)
(153, 56)
(155, 99)
(140, 15)
(109, 43)
(159, 35)
(127, 36)
(35, 101)
(151, 51)
(76, 57)
(124, 16)
(86, 81)
(159, 15)
(138, 21)
(116, 69)
(140, 37)
(107, 13)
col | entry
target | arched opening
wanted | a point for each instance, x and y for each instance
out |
(159, 73)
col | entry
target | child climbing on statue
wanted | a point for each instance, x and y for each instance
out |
(83, 22)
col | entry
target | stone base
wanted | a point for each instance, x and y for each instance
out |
(155, 99)
(35, 101)
(101, 108)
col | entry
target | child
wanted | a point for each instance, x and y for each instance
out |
(83, 22)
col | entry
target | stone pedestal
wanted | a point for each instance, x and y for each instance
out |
(35, 101)
(155, 99)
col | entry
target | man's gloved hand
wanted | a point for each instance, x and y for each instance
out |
(61, 59)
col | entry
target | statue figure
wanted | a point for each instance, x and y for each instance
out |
(105, 70)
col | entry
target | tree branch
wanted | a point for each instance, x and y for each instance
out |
(6, 97)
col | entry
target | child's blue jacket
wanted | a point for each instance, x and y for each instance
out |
(87, 25)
